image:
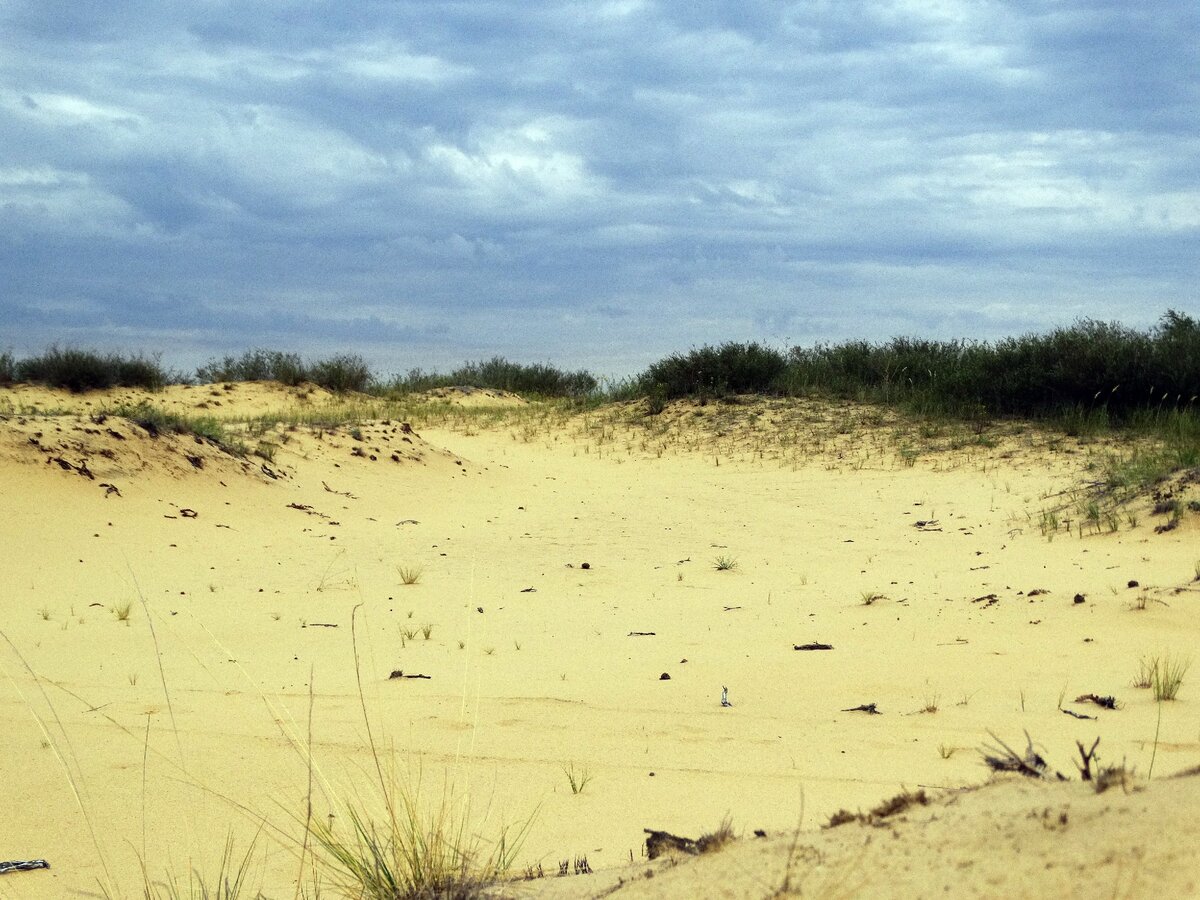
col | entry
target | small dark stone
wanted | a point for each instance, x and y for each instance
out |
(1132, 584)
(664, 677)
(1079, 598)
(585, 565)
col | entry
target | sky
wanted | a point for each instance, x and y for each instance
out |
(594, 184)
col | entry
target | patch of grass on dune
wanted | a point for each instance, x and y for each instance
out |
(157, 421)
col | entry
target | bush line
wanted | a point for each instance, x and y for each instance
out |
(1088, 375)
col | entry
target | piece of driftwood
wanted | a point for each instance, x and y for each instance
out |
(1086, 757)
(1106, 702)
(339, 493)
(22, 865)
(660, 842)
(640, 634)
(869, 708)
(400, 674)
(320, 625)
(815, 645)
(1071, 712)
(1005, 759)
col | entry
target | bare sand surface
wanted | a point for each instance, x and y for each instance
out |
(182, 624)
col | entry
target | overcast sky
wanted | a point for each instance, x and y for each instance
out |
(593, 183)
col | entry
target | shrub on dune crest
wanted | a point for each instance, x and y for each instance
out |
(86, 370)
(500, 374)
(730, 368)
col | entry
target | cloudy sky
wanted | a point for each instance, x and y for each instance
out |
(593, 183)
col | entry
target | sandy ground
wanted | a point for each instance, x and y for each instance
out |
(181, 624)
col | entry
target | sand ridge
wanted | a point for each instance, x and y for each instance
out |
(534, 663)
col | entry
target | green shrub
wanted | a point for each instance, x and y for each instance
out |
(256, 365)
(347, 372)
(8, 368)
(85, 370)
(730, 368)
(1089, 375)
(500, 374)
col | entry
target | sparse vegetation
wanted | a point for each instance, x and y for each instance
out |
(578, 779)
(1145, 673)
(725, 563)
(123, 610)
(156, 421)
(229, 883)
(1167, 676)
(410, 574)
(713, 841)
(1162, 674)
(870, 597)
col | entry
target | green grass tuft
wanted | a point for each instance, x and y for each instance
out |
(725, 563)
(578, 779)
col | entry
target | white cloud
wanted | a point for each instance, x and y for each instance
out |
(518, 164)
(389, 62)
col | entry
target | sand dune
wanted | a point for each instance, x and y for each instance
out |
(177, 604)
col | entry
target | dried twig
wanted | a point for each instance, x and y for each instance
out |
(1005, 759)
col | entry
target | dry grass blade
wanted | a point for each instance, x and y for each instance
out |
(229, 884)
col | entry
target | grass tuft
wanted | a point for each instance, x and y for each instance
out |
(725, 564)
(410, 574)
(578, 779)
(228, 884)
(1167, 677)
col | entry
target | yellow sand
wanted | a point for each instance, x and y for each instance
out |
(188, 721)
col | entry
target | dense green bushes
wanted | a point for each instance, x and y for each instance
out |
(717, 371)
(1094, 367)
(1091, 372)
(84, 370)
(501, 374)
(346, 372)
(1089, 369)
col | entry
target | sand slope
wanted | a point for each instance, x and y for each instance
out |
(537, 664)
